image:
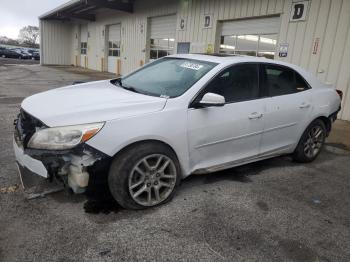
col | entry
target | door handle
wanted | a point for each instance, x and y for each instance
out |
(255, 115)
(304, 105)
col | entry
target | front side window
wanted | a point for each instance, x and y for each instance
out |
(167, 76)
(114, 48)
(83, 48)
(160, 47)
(280, 80)
(237, 83)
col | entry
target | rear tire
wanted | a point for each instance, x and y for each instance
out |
(144, 175)
(311, 142)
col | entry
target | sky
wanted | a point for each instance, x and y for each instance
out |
(15, 14)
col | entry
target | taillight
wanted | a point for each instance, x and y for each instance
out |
(340, 93)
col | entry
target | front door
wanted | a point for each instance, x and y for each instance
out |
(219, 136)
(287, 108)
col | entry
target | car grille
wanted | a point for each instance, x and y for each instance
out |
(26, 125)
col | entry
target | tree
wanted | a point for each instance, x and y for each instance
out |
(29, 35)
(8, 41)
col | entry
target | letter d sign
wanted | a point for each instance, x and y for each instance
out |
(299, 11)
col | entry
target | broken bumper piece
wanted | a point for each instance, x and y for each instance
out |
(74, 168)
(26, 163)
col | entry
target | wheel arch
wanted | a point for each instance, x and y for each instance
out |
(326, 121)
(154, 141)
(299, 155)
(323, 118)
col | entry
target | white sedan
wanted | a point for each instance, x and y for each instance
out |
(139, 135)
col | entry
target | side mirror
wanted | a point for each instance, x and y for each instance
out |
(211, 99)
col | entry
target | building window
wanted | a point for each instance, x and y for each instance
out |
(161, 47)
(253, 45)
(114, 48)
(83, 48)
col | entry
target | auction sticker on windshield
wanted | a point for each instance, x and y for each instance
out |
(191, 65)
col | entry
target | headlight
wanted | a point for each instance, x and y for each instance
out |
(66, 137)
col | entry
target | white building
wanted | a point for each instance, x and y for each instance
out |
(120, 35)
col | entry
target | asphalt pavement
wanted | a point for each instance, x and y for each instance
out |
(273, 210)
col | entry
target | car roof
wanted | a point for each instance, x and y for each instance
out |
(229, 59)
(226, 60)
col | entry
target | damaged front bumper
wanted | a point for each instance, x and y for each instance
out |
(74, 168)
(77, 168)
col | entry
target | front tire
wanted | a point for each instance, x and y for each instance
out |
(311, 142)
(145, 175)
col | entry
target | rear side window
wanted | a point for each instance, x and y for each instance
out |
(300, 83)
(280, 80)
(237, 83)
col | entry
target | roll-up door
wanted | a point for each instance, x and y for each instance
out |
(162, 36)
(258, 26)
(114, 40)
(256, 37)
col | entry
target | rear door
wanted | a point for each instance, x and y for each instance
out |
(219, 136)
(287, 108)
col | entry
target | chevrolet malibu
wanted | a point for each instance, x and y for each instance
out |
(138, 136)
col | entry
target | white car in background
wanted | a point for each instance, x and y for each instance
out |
(182, 114)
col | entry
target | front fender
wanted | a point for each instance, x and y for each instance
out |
(168, 127)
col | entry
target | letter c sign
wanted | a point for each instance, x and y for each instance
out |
(299, 11)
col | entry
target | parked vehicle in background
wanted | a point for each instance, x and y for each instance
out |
(26, 52)
(35, 54)
(22, 53)
(9, 53)
(2, 49)
(180, 115)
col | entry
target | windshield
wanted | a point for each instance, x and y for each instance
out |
(170, 77)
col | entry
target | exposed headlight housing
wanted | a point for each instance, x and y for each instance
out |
(66, 137)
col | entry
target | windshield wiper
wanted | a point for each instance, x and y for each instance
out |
(132, 89)
(119, 83)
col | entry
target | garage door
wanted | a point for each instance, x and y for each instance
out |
(83, 45)
(162, 36)
(256, 37)
(114, 39)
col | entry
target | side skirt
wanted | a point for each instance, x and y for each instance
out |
(240, 162)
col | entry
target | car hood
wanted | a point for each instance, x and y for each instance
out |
(88, 103)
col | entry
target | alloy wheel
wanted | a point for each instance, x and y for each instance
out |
(314, 141)
(152, 180)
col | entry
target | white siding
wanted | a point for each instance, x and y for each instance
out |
(221, 10)
(327, 20)
(133, 41)
(56, 45)
(75, 44)
(92, 47)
